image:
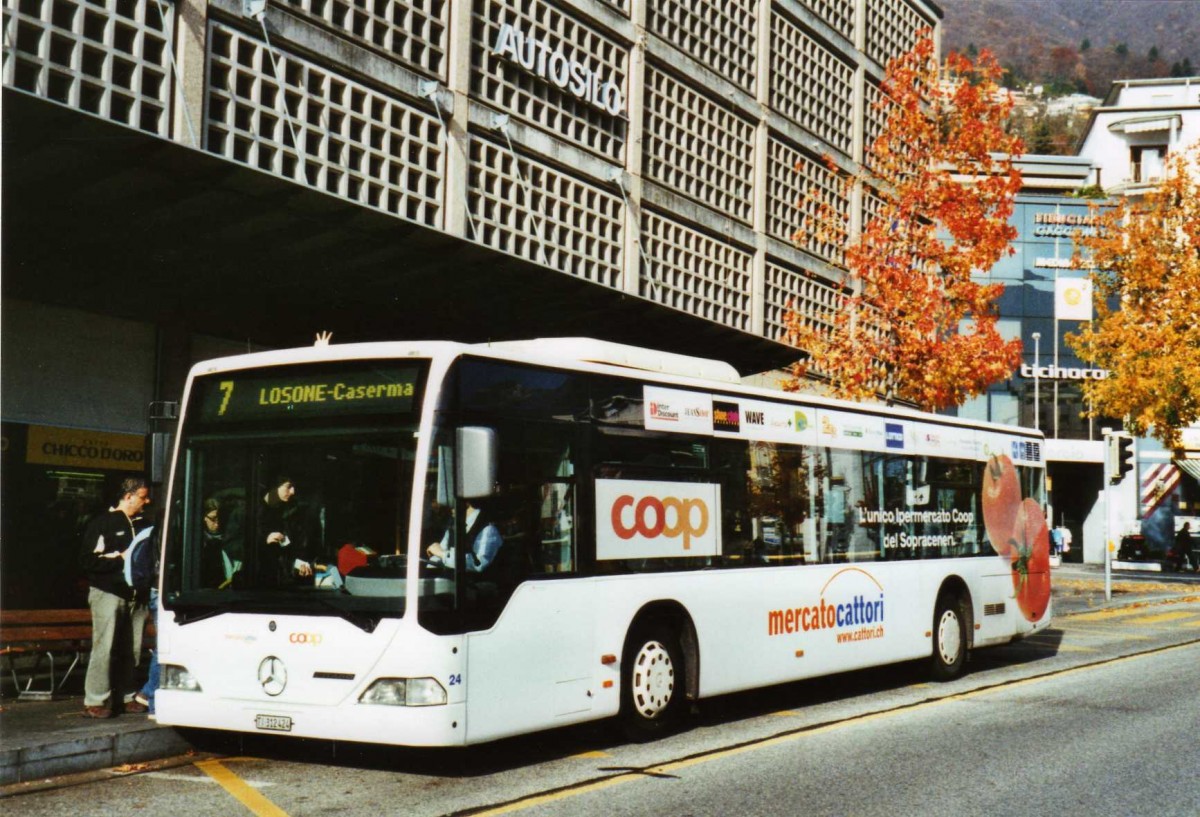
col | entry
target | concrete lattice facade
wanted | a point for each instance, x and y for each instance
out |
(647, 145)
(191, 179)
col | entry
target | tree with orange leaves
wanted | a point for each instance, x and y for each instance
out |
(1146, 287)
(913, 323)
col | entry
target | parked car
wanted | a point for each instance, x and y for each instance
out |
(1134, 549)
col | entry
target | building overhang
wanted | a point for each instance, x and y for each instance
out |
(105, 218)
(1147, 124)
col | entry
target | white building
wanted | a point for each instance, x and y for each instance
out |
(1140, 123)
(1070, 105)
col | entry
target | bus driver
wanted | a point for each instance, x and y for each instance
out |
(481, 532)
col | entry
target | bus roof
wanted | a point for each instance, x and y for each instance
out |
(590, 350)
(586, 352)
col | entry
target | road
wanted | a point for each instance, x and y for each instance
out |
(1095, 716)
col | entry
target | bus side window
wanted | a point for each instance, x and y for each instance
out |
(852, 493)
(731, 468)
(782, 495)
(557, 527)
(537, 493)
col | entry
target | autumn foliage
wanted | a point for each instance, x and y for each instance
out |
(912, 323)
(1146, 333)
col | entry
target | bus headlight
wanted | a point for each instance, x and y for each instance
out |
(172, 676)
(405, 692)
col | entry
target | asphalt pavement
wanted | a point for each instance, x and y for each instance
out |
(41, 740)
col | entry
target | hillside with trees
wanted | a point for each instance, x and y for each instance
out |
(1078, 46)
(1050, 50)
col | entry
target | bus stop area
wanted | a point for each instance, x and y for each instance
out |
(41, 741)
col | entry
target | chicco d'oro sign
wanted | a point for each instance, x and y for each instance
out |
(655, 520)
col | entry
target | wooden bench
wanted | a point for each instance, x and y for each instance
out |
(45, 634)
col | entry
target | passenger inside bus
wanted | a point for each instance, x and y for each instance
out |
(283, 538)
(219, 560)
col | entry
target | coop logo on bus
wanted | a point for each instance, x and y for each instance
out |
(849, 606)
(894, 435)
(306, 638)
(643, 520)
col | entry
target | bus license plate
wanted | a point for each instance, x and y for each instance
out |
(277, 723)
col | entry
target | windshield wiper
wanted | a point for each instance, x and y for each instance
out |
(188, 613)
(367, 622)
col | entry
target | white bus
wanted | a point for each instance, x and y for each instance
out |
(434, 544)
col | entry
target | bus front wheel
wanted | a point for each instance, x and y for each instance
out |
(949, 638)
(652, 682)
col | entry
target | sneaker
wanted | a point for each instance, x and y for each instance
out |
(142, 699)
(135, 708)
(98, 712)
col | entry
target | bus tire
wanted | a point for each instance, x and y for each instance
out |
(949, 638)
(652, 681)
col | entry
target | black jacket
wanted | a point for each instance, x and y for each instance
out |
(108, 533)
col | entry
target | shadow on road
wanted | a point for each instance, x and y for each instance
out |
(513, 753)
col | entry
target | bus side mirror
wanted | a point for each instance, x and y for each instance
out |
(477, 455)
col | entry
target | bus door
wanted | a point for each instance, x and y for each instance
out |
(530, 643)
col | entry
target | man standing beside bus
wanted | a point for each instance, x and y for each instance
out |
(118, 616)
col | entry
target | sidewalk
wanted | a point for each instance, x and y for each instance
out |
(42, 739)
(1079, 588)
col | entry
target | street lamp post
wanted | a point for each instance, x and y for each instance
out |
(1037, 365)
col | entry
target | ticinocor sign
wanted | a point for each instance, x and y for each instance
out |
(553, 66)
(1057, 373)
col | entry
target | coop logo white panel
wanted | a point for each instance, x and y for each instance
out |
(639, 519)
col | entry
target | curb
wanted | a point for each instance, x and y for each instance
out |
(84, 754)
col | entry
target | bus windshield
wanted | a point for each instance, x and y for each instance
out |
(292, 491)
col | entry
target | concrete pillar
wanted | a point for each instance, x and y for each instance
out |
(455, 201)
(172, 361)
(636, 96)
(762, 162)
(191, 50)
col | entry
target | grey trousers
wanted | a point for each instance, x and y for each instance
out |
(117, 628)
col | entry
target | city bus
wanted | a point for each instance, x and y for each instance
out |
(441, 544)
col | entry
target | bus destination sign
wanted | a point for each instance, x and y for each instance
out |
(237, 396)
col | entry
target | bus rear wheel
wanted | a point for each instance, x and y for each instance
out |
(652, 682)
(949, 638)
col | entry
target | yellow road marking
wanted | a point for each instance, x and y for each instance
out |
(244, 793)
(1111, 632)
(1049, 644)
(787, 713)
(595, 754)
(666, 769)
(1174, 615)
(1100, 615)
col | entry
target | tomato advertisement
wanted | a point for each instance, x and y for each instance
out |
(1017, 530)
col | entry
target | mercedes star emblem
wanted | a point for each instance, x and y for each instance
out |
(272, 674)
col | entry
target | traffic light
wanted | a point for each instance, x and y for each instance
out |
(1126, 458)
(1119, 458)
